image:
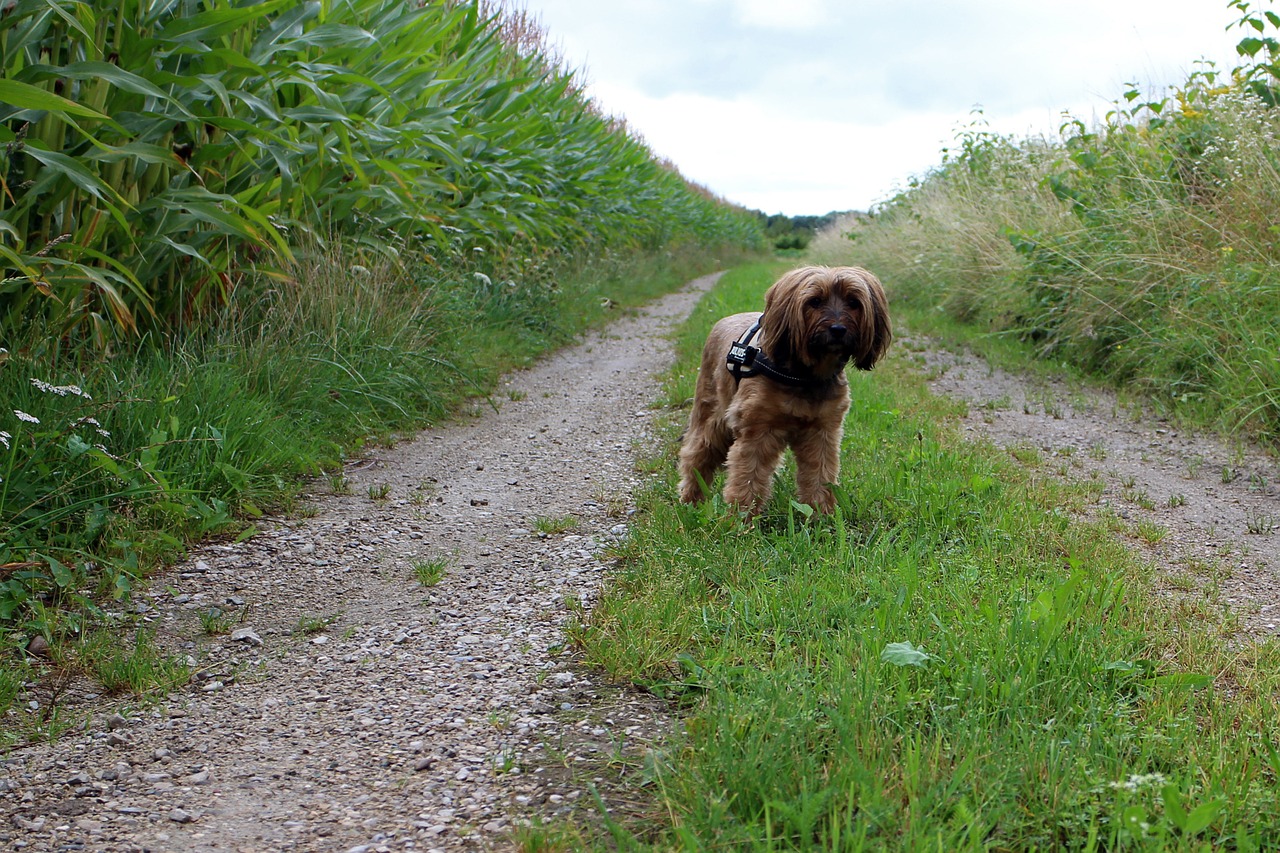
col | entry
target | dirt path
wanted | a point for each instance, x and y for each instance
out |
(348, 707)
(1206, 513)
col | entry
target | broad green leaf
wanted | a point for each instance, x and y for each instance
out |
(1180, 680)
(27, 97)
(1203, 815)
(62, 576)
(1173, 806)
(73, 171)
(904, 654)
(120, 78)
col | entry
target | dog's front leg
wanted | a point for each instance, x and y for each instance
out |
(817, 464)
(752, 461)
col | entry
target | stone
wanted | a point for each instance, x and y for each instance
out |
(246, 635)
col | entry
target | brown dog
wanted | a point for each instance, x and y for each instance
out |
(782, 384)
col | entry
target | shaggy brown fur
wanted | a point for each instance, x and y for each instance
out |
(815, 321)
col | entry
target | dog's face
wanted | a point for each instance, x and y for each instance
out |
(823, 317)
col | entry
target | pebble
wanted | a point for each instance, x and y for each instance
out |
(246, 635)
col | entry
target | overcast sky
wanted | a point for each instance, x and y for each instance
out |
(808, 106)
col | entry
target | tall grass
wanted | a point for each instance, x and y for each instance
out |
(1143, 250)
(950, 662)
(161, 158)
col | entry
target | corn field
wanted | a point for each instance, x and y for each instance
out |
(160, 155)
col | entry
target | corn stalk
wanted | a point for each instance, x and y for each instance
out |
(158, 156)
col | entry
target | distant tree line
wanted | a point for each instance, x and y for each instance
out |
(794, 232)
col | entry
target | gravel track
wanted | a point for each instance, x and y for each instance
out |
(403, 716)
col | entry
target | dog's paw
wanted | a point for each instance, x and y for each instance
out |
(823, 501)
(691, 493)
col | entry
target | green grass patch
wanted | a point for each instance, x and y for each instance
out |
(430, 572)
(553, 524)
(951, 661)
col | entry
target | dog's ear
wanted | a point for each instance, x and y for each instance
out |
(877, 332)
(783, 324)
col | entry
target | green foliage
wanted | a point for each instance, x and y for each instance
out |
(1143, 250)
(161, 158)
(948, 662)
(138, 670)
(430, 572)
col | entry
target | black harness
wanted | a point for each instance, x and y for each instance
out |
(745, 360)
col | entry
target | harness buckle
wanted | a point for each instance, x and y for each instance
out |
(742, 354)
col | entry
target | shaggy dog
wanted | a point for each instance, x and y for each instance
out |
(782, 384)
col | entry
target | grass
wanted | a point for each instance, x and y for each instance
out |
(215, 621)
(430, 572)
(308, 625)
(951, 661)
(551, 525)
(137, 671)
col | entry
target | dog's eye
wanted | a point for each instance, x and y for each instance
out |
(854, 303)
(814, 301)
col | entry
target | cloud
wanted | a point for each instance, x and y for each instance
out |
(813, 105)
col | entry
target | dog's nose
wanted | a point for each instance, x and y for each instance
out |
(838, 330)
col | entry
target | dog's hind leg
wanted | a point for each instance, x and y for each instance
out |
(701, 455)
(817, 464)
(752, 461)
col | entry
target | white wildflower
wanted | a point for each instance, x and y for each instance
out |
(4, 439)
(60, 390)
(1138, 781)
(23, 416)
(93, 422)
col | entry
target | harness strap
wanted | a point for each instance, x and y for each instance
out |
(745, 360)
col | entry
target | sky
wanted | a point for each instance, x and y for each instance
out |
(809, 106)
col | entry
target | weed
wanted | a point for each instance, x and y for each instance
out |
(1177, 500)
(216, 621)
(1026, 454)
(430, 572)
(380, 492)
(1260, 523)
(314, 624)
(1150, 532)
(138, 670)
(1098, 451)
(550, 525)
(1139, 497)
(339, 484)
